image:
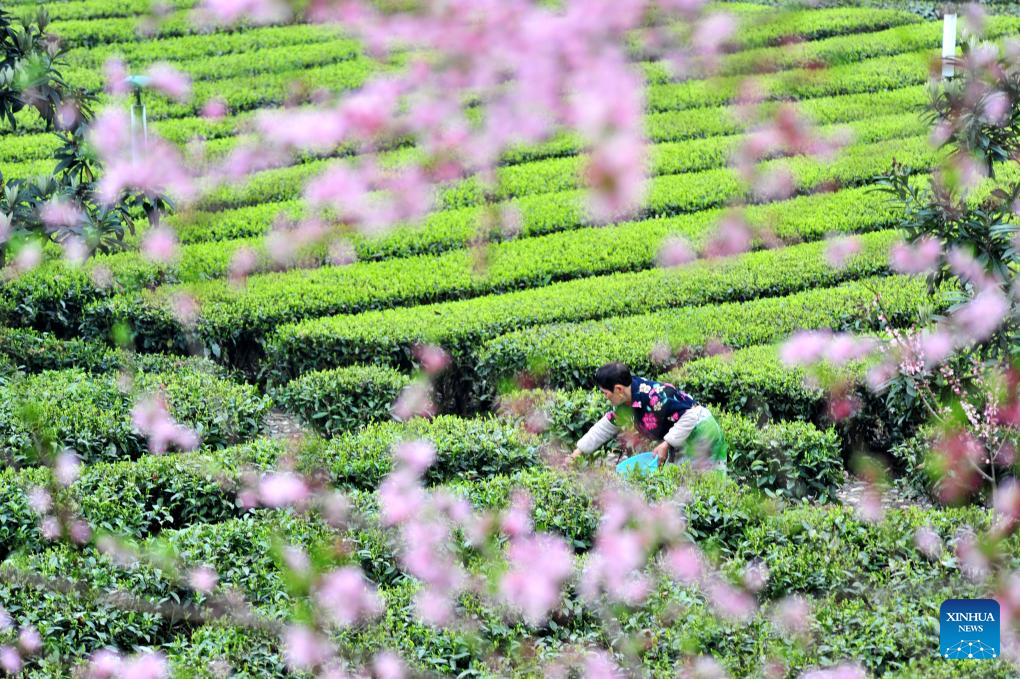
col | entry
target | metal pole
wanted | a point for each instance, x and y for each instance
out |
(948, 45)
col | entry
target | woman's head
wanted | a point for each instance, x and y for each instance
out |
(614, 380)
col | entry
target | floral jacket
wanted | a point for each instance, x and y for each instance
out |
(657, 406)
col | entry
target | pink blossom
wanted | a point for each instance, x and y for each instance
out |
(171, 82)
(110, 132)
(39, 500)
(615, 173)
(967, 267)
(10, 660)
(729, 601)
(517, 521)
(67, 468)
(50, 528)
(400, 497)
(598, 665)
(973, 563)
(303, 649)
(282, 489)
(844, 671)
(104, 664)
(870, 508)
(58, 213)
(928, 542)
(144, 666)
(28, 256)
(242, 263)
(839, 250)
(675, 252)
(995, 107)
(919, 257)
(347, 596)
(793, 614)
(416, 455)
(297, 560)
(115, 74)
(776, 184)
(981, 316)
(539, 565)
(203, 579)
(259, 12)
(433, 359)
(433, 606)
(755, 576)
(844, 347)
(732, 237)
(805, 347)
(151, 417)
(937, 346)
(685, 563)
(80, 532)
(415, 400)
(302, 129)
(159, 244)
(29, 640)
(388, 666)
(154, 168)
(214, 109)
(184, 308)
(76, 250)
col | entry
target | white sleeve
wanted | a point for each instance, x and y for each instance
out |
(600, 432)
(679, 432)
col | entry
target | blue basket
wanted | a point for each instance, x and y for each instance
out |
(642, 463)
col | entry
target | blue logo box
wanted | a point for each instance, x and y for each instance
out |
(969, 629)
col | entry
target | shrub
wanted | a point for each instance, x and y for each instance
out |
(92, 414)
(334, 401)
(566, 355)
(466, 449)
(388, 336)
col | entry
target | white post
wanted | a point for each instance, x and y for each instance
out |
(948, 45)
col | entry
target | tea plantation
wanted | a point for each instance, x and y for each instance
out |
(332, 347)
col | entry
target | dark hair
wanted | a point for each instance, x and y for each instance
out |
(611, 374)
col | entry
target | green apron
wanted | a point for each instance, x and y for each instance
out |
(706, 439)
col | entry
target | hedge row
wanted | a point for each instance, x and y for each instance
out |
(870, 75)
(54, 295)
(233, 319)
(566, 173)
(217, 68)
(867, 75)
(567, 354)
(137, 498)
(240, 550)
(337, 400)
(387, 336)
(839, 50)
(178, 49)
(92, 413)
(72, 627)
(543, 180)
(105, 9)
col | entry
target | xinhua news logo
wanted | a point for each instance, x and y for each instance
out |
(969, 629)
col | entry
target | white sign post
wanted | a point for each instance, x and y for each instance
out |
(948, 45)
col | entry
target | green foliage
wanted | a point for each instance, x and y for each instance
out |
(92, 413)
(334, 401)
(465, 449)
(568, 354)
(387, 336)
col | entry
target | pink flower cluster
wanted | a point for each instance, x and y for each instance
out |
(806, 347)
(108, 664)
(152, 418)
